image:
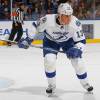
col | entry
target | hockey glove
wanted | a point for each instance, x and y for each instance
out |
(74, 53)
(24, 43)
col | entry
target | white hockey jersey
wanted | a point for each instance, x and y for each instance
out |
(60, 33)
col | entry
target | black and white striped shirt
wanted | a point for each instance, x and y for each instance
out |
(20, 16)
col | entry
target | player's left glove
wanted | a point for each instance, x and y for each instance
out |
(74, 53)
(25, 42)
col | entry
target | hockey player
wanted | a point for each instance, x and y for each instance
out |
(62, 30)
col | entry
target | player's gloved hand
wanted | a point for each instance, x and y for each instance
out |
(24, 43)
(74, 53)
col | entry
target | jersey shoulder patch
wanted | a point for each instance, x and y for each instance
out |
(75, 22)
(41, 21)
(78, 23)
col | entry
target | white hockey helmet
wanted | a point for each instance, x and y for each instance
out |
(65, 9)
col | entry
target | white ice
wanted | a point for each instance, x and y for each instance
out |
(25, 68)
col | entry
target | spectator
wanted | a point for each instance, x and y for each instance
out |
(1, 10)
(42, 11)
(28, 15)
(35, 11)
(49, 7)
(83, 9)
(97, 13)
(5, 10)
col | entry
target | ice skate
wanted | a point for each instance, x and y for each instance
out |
(51, 90)
(88, 87)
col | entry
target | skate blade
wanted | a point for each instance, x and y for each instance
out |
(52, 95)
(89, 92)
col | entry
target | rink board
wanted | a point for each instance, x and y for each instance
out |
(40, 41)
(91, 29)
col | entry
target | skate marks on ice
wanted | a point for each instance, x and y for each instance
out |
(35, 93)
(40, 92)
(5, 83)
(89, 96)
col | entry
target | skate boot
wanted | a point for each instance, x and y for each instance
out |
(51, 90)
(88, 87)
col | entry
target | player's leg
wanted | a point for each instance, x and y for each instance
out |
(50, 71)
(77, 63)
(81, 73)
(49, 64)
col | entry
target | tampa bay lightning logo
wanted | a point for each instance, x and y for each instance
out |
(61, 35)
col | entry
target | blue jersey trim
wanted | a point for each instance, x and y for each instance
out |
(50, 75)
(82, 41)
(83, 76)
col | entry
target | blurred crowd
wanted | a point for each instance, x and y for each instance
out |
(5, 9)
(34, 9)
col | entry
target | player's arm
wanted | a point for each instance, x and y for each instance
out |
(79, 37)
(41, 24)
(39, 27)
(79, 43)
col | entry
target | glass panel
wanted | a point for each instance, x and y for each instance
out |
(97, 11)
(5, 9)
(83, 9)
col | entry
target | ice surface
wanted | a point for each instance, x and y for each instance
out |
(25, 68)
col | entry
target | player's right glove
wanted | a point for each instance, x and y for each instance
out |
(24, 42)
(74, 53)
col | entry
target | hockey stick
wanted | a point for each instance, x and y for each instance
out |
(49, 49)
(40, 47)
(13, 42)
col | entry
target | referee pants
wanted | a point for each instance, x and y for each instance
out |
(16, 30)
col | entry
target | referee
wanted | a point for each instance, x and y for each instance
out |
(17, 19)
